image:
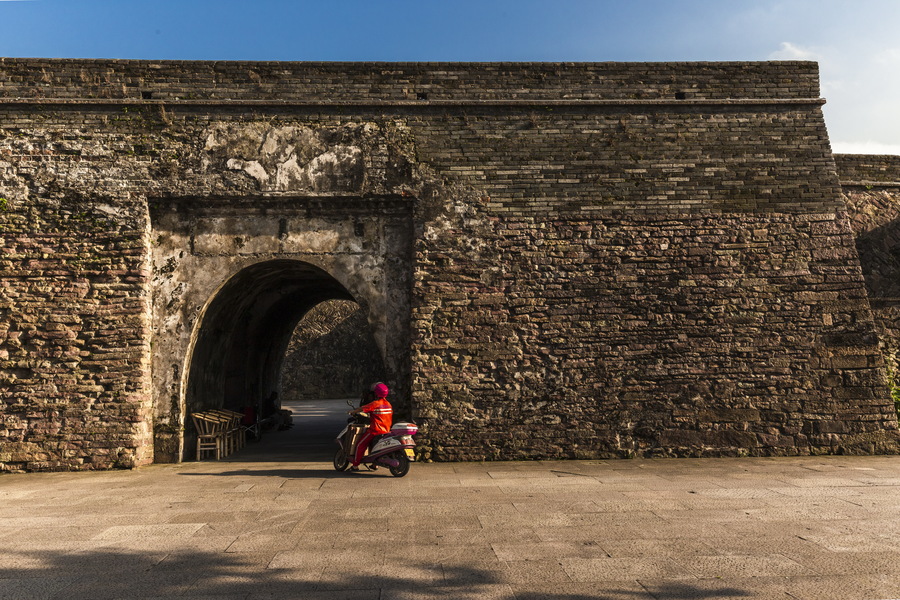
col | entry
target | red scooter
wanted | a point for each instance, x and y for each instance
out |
(393, 450)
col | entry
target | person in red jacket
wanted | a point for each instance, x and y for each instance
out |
(381, 417)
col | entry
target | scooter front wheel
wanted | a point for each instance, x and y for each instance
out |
(341, 460)
(403, 467)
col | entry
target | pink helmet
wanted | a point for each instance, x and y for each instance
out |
(380, 390)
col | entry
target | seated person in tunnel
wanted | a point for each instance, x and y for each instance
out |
(381, 415)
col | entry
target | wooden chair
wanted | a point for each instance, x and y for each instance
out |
(239, 433)
(231, 424)
(210, 434)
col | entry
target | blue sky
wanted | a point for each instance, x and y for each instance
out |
(855, 41)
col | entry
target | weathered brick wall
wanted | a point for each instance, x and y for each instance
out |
(652, 335)
(657, 158)
(645, 285)
(356, 82)
(610, 259)
(74, 336)
(871, 186)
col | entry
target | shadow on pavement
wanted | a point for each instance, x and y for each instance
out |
(154, 574)
(283, 473)
(324, 473)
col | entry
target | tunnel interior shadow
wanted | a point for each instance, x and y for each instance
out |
(311, 439)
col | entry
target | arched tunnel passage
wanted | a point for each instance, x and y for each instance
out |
(239, 354)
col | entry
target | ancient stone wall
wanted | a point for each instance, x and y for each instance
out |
(759, 342)
(355, 82)
(555, 260)
(871, 187)
(673, 280)
(74, 327)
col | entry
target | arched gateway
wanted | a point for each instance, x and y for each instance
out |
(232, 285)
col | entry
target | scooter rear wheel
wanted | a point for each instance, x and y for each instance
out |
(341, 460)
(403, 468)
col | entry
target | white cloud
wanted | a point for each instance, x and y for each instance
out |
(862, 110)
(865, 148)
(888, 57)
(859, 83)
(791, 51)
(856, 47)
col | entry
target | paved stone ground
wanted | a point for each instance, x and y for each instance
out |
(276, 521)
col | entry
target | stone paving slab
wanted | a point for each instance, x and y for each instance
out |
(271, 522)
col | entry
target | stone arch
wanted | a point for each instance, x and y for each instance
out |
(221, 265)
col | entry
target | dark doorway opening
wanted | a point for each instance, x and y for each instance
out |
(239, 354)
